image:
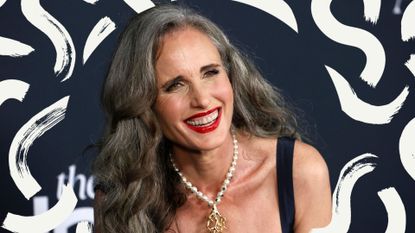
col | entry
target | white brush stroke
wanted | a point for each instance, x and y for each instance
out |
(91, 1)
(351, 36)
(407, 148)
(14, 48)
(46, 221)
(360, 110)
(372, 10)
(396, 210)
(410, 64)
(33, 129)
(78, 215)
(13, 89)
(56, 32)
(341, 211)
(2, 2)
(139, 6)
(84, 227)
(408, 22)
(100, 31)
(277, 8)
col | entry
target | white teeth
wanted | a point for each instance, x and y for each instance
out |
(206, 120)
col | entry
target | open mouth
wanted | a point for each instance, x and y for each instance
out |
(204, 122)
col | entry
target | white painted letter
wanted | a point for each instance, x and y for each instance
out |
(351, 36)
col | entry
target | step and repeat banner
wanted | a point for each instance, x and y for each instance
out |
(348, 67)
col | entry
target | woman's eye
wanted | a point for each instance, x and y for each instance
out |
(173, 86)
(210, 73)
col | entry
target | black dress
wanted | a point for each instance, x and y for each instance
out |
(285, 149)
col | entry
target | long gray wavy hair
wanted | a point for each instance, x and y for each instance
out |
(142, 191)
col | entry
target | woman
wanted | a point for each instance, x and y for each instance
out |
(197, 140)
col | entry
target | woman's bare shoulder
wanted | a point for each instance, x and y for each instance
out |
(311, 188)
(308, 161)
(257, 148)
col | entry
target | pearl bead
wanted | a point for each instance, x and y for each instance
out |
(225, 184)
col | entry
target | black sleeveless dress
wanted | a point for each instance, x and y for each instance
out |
(285, 150)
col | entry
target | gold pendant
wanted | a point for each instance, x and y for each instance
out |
(216, 223)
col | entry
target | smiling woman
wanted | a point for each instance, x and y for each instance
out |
(197, 140)
(195, 98)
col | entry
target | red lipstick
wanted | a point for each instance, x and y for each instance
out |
(205, 128)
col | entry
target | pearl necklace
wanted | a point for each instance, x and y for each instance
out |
(216, 223)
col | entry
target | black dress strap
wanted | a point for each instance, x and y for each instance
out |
(285, 152)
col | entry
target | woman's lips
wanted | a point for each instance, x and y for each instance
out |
(205, 122)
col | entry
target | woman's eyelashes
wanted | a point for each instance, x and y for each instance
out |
(176, 83)
(173, 85)
(210, 73)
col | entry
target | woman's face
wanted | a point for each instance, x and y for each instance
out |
(195, 98)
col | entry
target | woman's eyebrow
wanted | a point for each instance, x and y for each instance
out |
(206, 67)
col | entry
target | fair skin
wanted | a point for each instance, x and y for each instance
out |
(193, 90)
(191, 80)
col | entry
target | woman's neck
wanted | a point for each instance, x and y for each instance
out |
(205, 169)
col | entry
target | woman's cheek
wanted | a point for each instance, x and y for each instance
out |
(223, 90)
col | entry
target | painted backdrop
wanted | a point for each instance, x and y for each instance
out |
(349, 65)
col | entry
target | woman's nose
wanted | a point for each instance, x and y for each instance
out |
(200, 97)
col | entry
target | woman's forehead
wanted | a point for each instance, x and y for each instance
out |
(185, 49)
